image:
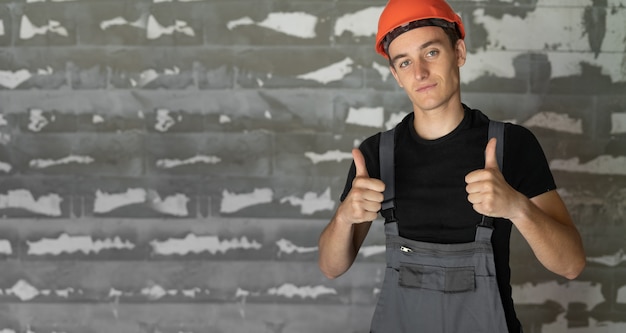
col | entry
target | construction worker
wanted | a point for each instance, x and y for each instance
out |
(450, 194)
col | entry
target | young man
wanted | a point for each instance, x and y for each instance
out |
(447, 271)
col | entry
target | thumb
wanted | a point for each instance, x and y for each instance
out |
(359, 162)
(491, 161)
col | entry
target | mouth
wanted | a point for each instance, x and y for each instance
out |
(425, 88)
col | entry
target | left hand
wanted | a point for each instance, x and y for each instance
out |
(487, 189)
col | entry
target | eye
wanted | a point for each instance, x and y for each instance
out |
(432, 53)
(404, 63)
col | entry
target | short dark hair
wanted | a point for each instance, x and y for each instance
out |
(450, 28)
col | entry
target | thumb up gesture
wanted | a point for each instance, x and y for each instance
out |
(364, 200)
(487, 190)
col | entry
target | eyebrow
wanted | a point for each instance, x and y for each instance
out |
(423, 46)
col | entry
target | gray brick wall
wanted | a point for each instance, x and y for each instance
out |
(167, 166)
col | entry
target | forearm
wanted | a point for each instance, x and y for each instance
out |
(551, 235)
(339, 244)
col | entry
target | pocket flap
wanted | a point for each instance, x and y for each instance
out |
(445, 279)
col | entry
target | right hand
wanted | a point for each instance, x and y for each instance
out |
(364, 199)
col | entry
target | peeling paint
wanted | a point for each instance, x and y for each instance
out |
(290, 290)
(154, 292)
(612, 260)
(224, 119)
(297, 24)
(364, 116)
(11, 80)
(97, 119)
(311, 202)
(46, 163)
(333, 72)
(359, 23)
(555, 121)
(163, 120)
(602, 165)
(173, 163)
(288, 247)
(37, 120)
(28, 30)
(372, 250)
(589, 293)
(106, 202)
(120, 21)
(232, 202)
(198, 244)
(5, 167)
(331, 155)
(618, 123)
(71, 244)
(621, 295)
(394, 119)
(155, 30)
(23, 290)
(5, 247)
(382, 70)
(46, 204)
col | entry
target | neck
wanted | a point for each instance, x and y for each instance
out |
(434, 124)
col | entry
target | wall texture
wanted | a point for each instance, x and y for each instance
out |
(167, 166)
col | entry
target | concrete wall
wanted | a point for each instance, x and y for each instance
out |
(167, 166)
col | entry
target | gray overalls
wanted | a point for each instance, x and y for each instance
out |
(437, 288)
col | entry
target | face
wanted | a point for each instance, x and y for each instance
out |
(426, 66)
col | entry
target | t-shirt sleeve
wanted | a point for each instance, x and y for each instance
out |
(525, 165)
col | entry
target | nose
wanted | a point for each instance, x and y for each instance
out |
(421, 70)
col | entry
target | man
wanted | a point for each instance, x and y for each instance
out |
(447, 271)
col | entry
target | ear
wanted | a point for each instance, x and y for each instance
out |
(395, 75)
(461, 52)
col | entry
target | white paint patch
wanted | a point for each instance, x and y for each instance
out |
(3, 121)
(191, 292)
(163, 120)
(155, 30)
(589, 293)
(11, 80)
(555, 121)
(37, 120)
(370, 117)
(23, 290)
(49, 205)
(198, 244)
(560, 325)
(65, 293)
(106, 202)
(488, 63)
(224, 119)
(232, 202)
(612, 260)
(372, 250)
(334, 72)
(120, 21)
(384, 71)
(602, 165)
(1, 27)
(174, 163)
(28, 30)
(72, 244)
(46, 163)
(154, 292)
(97, 119)
(359, 23)
(311, 202)
(395, 119)
(5, 247)
(331, 155)
(288, 247)
(290, 291)
(5, 167)
(297, 24)
(175, 205)
(618, 123)
(267, 114)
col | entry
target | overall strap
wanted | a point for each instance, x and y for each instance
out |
(496, 130)
(387, 173)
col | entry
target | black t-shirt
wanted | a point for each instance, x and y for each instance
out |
(431, 201)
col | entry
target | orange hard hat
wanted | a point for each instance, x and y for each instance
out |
(398, 13)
